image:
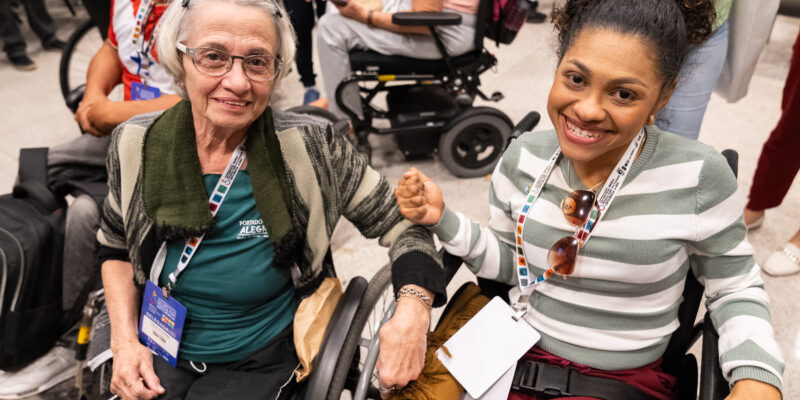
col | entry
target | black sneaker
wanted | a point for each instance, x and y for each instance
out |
(53, 44)
(22, 62)
(535, 17)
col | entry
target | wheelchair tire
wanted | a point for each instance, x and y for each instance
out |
(474, 142)
(378, 299)
(81, 47)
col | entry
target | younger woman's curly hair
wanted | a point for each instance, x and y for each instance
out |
(670, 26)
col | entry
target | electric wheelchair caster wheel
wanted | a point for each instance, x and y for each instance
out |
(472, 145)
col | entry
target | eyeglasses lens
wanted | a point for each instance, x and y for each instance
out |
(562, 255)
(577, 206)
(217, 63)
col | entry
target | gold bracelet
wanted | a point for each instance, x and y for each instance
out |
(416, 295)
(369, 19)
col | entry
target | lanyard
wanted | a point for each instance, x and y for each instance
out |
(605, 198)
(214, 203)
(142, 16)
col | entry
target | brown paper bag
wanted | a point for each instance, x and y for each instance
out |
(311, 321)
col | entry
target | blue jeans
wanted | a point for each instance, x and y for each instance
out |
(683, 115)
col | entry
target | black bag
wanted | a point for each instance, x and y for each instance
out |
(506, 19)
(31, 247)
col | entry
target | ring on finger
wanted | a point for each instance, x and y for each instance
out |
(386, 390)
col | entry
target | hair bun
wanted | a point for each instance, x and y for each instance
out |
(699, 16)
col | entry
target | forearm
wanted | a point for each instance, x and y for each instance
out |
(111, 114)
(104, 72)
(122, 299)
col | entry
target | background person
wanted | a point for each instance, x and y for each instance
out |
(777, 167)
(302, 14)
(14, 43)
(241, 288)
(698, 78)
(352, 26)
(613, 317)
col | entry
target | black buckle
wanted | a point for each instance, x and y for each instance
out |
(540, 379)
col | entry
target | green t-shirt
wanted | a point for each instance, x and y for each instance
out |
(723, 8)
(235, 300)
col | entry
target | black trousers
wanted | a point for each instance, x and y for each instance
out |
(265, 374)
(39, 19)
(301, 14)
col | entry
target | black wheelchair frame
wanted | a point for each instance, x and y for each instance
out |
(430, 102)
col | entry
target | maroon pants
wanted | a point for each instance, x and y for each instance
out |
(779, 161)
(649, 379)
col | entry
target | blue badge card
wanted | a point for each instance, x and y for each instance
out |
(142, 92)
(161, 323)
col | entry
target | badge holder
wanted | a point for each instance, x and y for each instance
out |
(161, 323)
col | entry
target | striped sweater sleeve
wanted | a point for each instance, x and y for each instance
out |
(488, 251)
(722, 259)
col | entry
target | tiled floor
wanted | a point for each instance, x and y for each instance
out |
(32, 113)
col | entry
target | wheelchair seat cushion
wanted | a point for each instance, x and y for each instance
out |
(388, 64)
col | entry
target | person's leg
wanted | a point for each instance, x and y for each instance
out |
(80, 248)
(40, 21)
(779, 163)
(301, 13)
(683, 115)
(13, 41)
(176, 381)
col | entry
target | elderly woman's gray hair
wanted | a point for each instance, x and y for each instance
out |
(174, 26)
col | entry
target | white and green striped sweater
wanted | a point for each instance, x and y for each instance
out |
(679, 209)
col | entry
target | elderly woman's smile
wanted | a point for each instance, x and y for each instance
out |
(232, 101)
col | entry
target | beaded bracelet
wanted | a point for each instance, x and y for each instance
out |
(416, 295)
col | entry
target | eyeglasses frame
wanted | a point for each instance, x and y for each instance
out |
(190, 51)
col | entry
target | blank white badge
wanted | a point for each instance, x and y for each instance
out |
(486, 347)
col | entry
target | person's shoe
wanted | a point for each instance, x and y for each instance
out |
(783, 262)
(311, 95)
(54, 367)
(22, 62)
(54, 44)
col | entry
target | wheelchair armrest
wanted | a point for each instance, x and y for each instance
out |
(713, 385)
(425, 18)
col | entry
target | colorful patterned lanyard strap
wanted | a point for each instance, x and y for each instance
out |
(607, 194)
(214, 203)
(142, 15)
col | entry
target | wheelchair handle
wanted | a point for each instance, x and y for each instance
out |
(525, 125)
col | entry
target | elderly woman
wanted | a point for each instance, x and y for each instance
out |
(625, 209)
(229, 207)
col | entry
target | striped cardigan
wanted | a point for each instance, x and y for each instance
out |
(329, 180)
(679, 210)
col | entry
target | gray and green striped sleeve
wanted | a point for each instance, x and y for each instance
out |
(722, 259)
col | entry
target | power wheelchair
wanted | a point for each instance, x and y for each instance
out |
(430, 102)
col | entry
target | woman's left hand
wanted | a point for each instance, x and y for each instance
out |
(352, 10)
(747, 389)
(403, 344)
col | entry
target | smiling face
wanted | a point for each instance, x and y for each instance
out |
(231, 102)
(606, 86)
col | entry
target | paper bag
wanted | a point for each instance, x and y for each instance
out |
(311, 321)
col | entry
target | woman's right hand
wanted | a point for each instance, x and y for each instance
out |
(419, 198)
(133, 376)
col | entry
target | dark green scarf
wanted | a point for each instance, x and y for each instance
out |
(174, 192)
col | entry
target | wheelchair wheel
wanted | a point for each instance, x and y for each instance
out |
(81, 47)
(355, 369)
(472, 146)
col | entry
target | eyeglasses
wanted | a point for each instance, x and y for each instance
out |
(577, 207)
(215, 62)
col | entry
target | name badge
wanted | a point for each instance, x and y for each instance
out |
(161, 323)
(142, 92)
(493, 340)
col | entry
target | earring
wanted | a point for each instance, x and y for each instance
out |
(651, 120)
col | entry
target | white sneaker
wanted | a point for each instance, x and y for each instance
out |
(54, 367)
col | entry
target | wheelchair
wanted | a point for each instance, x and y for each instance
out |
(350, 344)
(703, 383)
(430, 102)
